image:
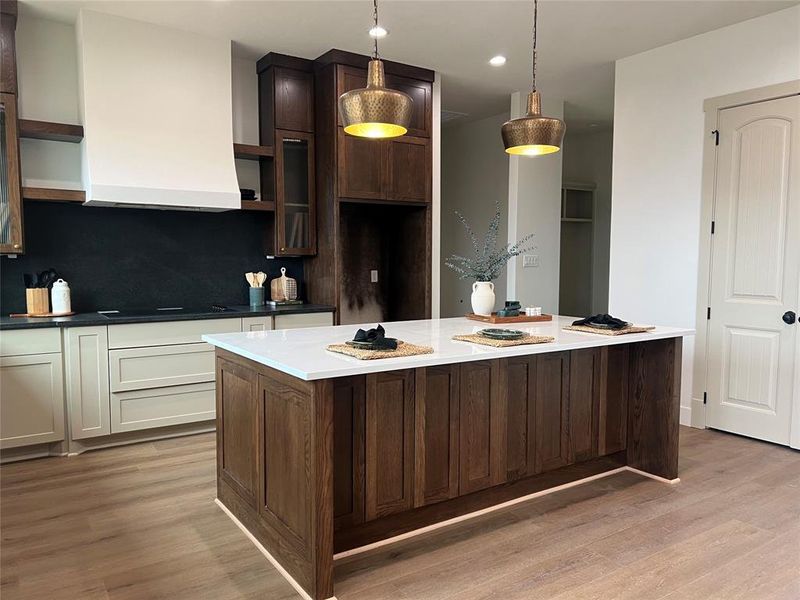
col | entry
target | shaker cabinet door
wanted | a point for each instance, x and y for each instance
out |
(409, 169)
(88, 390)
(361, 167)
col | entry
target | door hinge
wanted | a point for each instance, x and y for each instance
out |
(708, 314)
(712, 227)
(705, 397)
(715, 133)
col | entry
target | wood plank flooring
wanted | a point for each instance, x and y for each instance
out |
(139, 522)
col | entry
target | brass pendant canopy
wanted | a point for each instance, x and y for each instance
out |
(375, 111)
(533, 134)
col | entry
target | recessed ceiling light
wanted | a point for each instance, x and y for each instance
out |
(497, 61)
(378, 32)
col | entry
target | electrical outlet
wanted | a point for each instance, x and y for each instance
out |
(373, 276)
(530, 260)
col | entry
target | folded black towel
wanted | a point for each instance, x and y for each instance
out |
(605, 319)
(377, 337)
(247, 194)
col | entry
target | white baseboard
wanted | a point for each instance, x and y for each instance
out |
(686, 415)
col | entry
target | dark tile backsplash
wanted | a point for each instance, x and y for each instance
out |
(123, 258)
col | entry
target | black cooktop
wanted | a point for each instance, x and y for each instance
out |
(169, 310)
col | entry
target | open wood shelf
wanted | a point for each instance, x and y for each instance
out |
(45, 130)
(251, 152)
(53, 195)
(265, 205)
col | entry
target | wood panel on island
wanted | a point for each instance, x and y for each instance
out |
(336, 464)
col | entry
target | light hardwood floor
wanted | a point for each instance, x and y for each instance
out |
(139, 522)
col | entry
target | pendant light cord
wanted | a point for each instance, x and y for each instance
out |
(535, 19)
(375, 54)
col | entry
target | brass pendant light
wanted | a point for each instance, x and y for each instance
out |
(533, 134)
(375, 111)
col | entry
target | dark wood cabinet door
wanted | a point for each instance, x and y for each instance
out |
(520, 417)
(295, 201)
(421, 93)
(552, 411)
(436, 434)
(294, 100)
(238, 429)
(482, 425)
(613, 418)
(584, 403)
(348, 451)
(409, 169)
(8, 53)
(11, 230)
(362, 167)
(389, 443)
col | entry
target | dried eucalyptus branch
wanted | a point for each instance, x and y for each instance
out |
(489, 260)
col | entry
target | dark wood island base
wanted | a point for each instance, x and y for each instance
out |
(310, 468)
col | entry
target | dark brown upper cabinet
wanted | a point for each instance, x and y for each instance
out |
(421, 93)
(10, 186)
(295, 213)
(397, 170)
(286, 123)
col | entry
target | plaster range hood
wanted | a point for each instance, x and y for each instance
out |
(156, 109)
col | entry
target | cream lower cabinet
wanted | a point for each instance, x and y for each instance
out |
(257, 324)
(86, 359)
(31, 399)
(318, 319)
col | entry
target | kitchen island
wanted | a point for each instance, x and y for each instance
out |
(320, 453)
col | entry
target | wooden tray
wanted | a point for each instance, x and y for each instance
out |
(520, 319)
(48, 315)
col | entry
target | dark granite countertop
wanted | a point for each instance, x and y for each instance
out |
(94, 318)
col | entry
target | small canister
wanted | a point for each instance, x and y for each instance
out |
(60, 298)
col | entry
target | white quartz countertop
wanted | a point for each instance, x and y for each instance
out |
(301, 352)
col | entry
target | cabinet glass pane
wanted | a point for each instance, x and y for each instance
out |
(295, 192)
(5, 202)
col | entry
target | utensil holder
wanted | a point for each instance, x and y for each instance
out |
(256, 296)
(37, 300)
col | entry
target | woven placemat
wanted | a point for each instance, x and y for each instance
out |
(484, 341)
(403, 349)
(623, 331)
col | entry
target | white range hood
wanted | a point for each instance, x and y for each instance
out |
(157, 118)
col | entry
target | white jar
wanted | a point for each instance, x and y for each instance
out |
(483, 298)
(60, 298)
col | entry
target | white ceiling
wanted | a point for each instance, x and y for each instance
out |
(579, 40)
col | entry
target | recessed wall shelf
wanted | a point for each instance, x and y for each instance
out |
(53, 195)
(252, 152)
(265, 205)
(46, 130)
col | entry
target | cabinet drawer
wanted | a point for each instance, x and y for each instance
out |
(31, 400)
(161, 407)
(303, 320)
(30, 341)
(161, 366)
(257, 324)
(134, 335)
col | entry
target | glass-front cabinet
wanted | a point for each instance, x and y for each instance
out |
(10, 187)
(295, 213)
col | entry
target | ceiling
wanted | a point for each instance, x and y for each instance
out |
(579, 40)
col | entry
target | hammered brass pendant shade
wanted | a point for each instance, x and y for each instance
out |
(533, 134)
(375, 111)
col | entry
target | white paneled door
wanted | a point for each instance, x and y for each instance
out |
(755, 276)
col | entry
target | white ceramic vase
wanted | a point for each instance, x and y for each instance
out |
(482, 298)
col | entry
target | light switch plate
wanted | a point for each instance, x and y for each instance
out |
(530, 260)
(373, 276)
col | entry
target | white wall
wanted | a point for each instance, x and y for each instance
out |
(534, 196)
(244, 81)
(587, 159)
(47, 70)
(658, 144)
(474, 176)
